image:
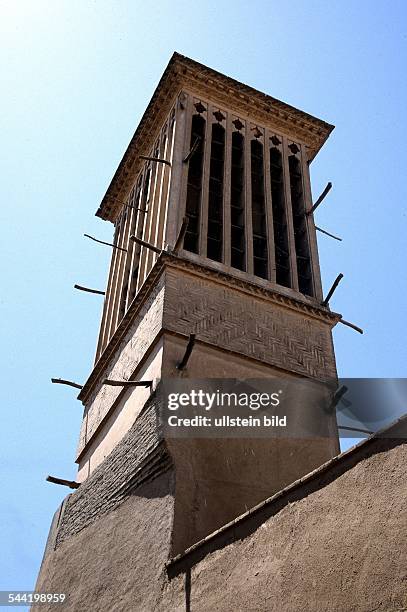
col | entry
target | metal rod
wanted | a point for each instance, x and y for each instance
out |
(107, 243)
(321, 198)
(128, 383)
(327, 233)
(145, 244)
(72, 484)
(332, 289)
(192, 150)
(155, 159)
(181, 236)
(88, 290)
(183, 363)
(355, 327)
(61, 381)
(367, 431)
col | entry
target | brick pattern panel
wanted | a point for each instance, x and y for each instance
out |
(230, 319)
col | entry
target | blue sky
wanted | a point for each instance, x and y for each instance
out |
(76, 76)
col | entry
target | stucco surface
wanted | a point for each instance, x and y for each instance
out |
(335, 542)
(117, 562)
(340, 549)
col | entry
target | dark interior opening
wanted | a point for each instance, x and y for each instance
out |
(260, 254)
(281, 245)
(194, 187)
(237, 204)
(302, 250)
(215, 197)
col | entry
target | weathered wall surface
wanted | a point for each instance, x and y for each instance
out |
(124, 362)
(333, 542)
(334, 548)
(117, 563)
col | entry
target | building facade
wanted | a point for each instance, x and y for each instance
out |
(214, 239)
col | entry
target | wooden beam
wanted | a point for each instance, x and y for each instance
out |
(145, 244)
(106, 243)
(366, 431)
(155, 159)
(72, 484)
(128, 383)
(61, 381)
(327, 233)
(332, 289)
(192, 150)
(88, 290)
(180, 239)
(355, 327)
(320, 199)
(183, 363)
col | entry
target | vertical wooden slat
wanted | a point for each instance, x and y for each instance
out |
(269, 210)
(129, 256)
(139, 203)
(108, 330)
(179, 170)
(144, 254)
(169, 154)
(248, 198)
(227, 192)
(114, 320)
(289, 214)
(313, 246)
(203, 233)
(148, 186)
(155, 202)
(102, 341)
(132, 245)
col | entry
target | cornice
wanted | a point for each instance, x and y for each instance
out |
(178, 262)
(182, 72)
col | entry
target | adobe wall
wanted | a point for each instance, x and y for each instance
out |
(332, 542)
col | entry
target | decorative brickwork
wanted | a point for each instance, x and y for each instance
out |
(248, 325)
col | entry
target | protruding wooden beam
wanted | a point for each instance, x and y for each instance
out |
(355, 327)
(80, 288)
(106, 243)
(366, 431)
(145, 244)
(128, 383)
(180, 240)
(320, 199)
(72, 484)
(183, 363)
(192, 150)
(156, 159)
(144, 210)
(327, 233)
(332, 289)
(338, 395)
(61, 381)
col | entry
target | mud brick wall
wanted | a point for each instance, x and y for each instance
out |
(332, 542)
(139, 457)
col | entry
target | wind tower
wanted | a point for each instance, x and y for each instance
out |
(244, 279)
